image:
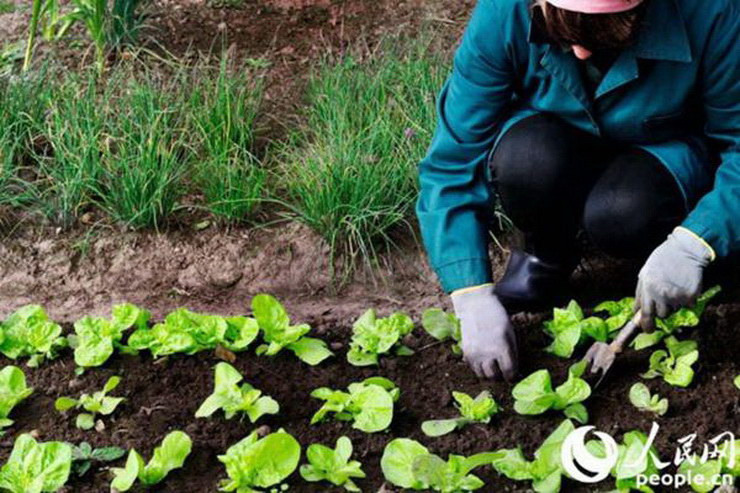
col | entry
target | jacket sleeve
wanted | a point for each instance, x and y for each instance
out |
(455, 205)
(716, 218)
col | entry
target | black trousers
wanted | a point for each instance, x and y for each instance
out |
(554, 180)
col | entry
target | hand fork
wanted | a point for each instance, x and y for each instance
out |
(600, 356)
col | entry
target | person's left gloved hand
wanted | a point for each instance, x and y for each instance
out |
(672, 276)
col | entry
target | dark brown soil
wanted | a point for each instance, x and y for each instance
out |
(163, 396)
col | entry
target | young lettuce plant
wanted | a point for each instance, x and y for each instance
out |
(13, 390)
(274, 322)
(260, 462)
(368, 404)
(703, 474)
(534, 395)
(640, 398)
(232, 398)
(332, 465)
(96, 338)
(84, 455)
(36, 467)
(442, 326)
(737, 381)
(186, 332)
(409, 464)
(685, 317)
(569, 328)
(472, 410)
(29, 332)
(373, 336)
(675, 364)
(171, 455)
(632, 461)
(99, 403)
(546, 470)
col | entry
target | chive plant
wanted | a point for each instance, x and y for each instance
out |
(350, 172)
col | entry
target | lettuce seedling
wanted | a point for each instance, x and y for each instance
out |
(13, 390)
(640, 398)
(84, 455)
(546, 470)
(277, 332)
(186, 332)
(675, 364)
(260, 463)
(369, 404)
(408, 464)
(29, 332)
(631, 461)
(96, 338)
(702, 475)
(373, 336)
(737, 381)
(534, 395)
(99, 403)
(685, 317)
(171, 455)
(569, 328)
(233, 399)
(36, 467)
(442, 326)
(478, 410)
(332, 465)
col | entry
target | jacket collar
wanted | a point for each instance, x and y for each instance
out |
(663, 34)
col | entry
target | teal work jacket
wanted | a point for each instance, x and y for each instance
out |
(674, 93)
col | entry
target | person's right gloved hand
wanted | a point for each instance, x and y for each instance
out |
(488, 339)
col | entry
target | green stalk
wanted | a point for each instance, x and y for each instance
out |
(35, 14)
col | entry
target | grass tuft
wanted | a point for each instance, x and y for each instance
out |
(350, 172)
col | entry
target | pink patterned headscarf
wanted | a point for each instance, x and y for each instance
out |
(596, 6)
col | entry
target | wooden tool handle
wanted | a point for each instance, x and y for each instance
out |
(626, 333)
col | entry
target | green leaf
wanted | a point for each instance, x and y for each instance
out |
(398, 460)
(373, 336)
(513, 465)
(107, 454)
(13, 389)
(439, 427)
(310, 350)
(333, 466)
(172, 454)
(124, 479)
(260, 463)
(29, 332)
(737, 381)
(577, 412)
(65, 404)
(534, 394)
(241, 332)
(372, 408)
(85, 421)
(440, 324)
(640, 397)
(648, 339)
(35, 467)
(227, 395)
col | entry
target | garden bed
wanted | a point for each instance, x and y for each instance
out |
(163, 395)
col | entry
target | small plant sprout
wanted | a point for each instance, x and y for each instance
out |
(442, 326)
(534, 395)
(260, 462)
(737, 381)
(84, 455)
(170, 455)
(545, 471)
(278, 334)
(478, 410)
(373, 336)
(99, 403)
(29, 332)
(36, 467)
(685, 317)
(368, 404)
(186, 332)
(675, 364)
(569, 329)
(332, 465)
(13, 390)
(408, 464)
(233, 399)
(640, 398)
(96, 338)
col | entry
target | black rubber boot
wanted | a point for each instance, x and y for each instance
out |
(531, 284)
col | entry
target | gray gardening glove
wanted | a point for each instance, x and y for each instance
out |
(672, 276)
(488, 338)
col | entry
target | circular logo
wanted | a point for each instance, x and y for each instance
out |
(580, 464)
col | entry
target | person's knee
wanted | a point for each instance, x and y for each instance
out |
(531, 160)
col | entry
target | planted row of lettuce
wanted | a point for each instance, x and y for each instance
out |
(368, 405)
